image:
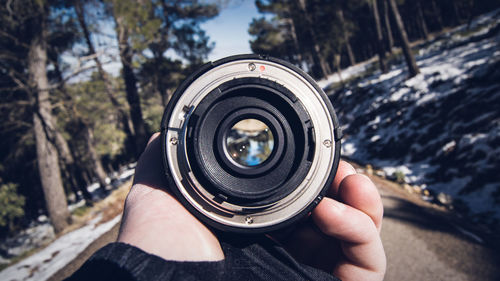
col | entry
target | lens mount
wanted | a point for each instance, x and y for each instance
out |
(260, 177)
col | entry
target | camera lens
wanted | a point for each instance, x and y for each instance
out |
(249, 142)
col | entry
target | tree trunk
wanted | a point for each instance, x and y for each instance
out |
(345, 35)
(380, 38)
(85, 177)
(336, 62)
(437, 14)
(319, 61)
(456, 13)
(293, 33)
(122, 114)
(63, 147)
(410, 59)
(388, 29)
(130, 85)
(43, 125)
(421, 20)
(166, 97)
(471, 12)
(157, 79)
(95, 161)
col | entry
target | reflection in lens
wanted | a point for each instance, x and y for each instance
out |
(250, 142)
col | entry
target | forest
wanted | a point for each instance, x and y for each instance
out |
(68, 121)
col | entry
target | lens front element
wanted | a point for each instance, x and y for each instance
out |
(249, 142)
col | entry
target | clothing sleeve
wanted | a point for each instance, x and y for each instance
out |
(245, 259)
(120, 261)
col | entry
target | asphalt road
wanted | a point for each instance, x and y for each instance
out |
(420, 242)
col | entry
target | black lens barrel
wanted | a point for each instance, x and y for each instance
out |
(269, 103)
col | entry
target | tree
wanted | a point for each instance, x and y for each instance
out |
(129, 16)
(405, 44)
(63, 35)
(380, 38)
(157, 26)
(421, 20)
(388, 29)
(346, 35)
(11, 205)
(127, 125)
(43, 123)
(270, 39)
(292, 30)
(437, 14)
(278, 36)
(161, 75)
(320, 66)
(178, 30)
(63, 147)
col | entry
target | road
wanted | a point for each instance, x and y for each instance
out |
(420, 242)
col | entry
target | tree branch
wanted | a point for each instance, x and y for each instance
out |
(19, 43)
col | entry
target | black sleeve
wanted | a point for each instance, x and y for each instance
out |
(119, 261)
(256, 260)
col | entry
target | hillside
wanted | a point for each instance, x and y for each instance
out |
(440, 129)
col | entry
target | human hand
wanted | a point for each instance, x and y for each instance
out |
(154, 221)
(341, 238)
(342, 234)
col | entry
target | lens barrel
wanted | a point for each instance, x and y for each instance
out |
(250, 144)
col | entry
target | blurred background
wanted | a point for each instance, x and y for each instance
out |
(416, 85)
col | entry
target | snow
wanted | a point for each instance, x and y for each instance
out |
(399, 94)
(127, 174)
(472, 138)
(59, 253)
(346, 74)
(441, 128)
(348, 149)
(447, 147)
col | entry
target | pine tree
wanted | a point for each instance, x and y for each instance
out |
(129, 16)
(410, 59)
(380, 38)
(320, 65)
(127, 125)
(388, 29)
(44, 126)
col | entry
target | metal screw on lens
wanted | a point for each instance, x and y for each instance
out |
(251, 66)
(327, 143)
(173, 141)
(249, 220)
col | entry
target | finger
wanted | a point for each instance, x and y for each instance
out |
(343, 221)
(359, 192)
(345, 169)
(360, 239)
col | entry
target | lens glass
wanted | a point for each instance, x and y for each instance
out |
(249, 142)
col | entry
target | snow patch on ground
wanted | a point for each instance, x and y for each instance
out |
(346, 73)
(40, 233)
(59, 253)
(441, 128)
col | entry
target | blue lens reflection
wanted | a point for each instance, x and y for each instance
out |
(250, 142)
